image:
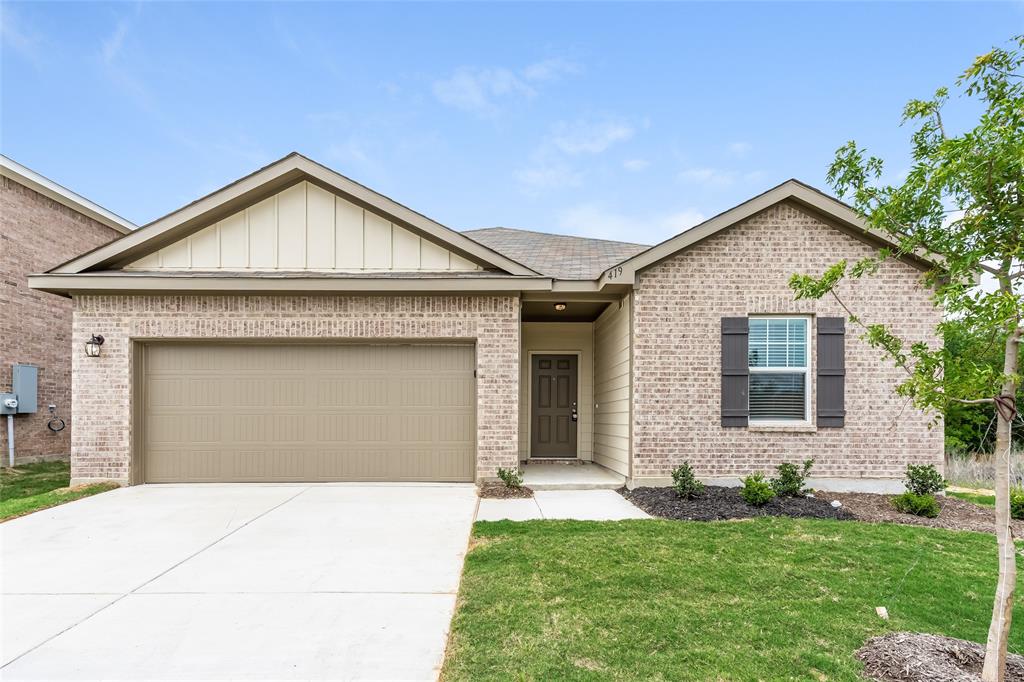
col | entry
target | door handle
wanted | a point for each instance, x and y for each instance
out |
(575, 416)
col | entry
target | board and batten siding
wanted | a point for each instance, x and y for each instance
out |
(305, 227)
(612, 387)
(559, 338)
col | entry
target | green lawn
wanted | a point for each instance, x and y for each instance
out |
(32, 487)
(984, 500)
(765, 599)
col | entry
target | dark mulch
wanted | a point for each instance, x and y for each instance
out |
(956, 514)
(717, 503)
(914, 657)
(500, 491)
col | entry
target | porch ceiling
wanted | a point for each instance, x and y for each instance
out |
(575, 311)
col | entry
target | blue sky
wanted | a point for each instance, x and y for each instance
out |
(624, 121)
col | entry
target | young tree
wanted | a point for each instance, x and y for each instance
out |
(962, 203)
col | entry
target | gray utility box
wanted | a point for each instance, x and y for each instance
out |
(6, 402)
(25, 386)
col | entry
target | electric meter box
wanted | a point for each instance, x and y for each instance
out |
(25, 385)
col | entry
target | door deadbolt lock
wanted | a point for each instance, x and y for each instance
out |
(575, 415)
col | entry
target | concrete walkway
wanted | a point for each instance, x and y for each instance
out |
(575, 476)
(235, 582)
(582, 505)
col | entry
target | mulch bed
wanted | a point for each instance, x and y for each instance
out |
(500, 491)
(719, 503)
(956, 514)
(914, 657)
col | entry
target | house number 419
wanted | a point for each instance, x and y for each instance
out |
(615, 272)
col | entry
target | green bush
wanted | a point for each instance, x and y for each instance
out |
(790, 481)
(924, 479)
(685, 483)
(918, 505)
(1017, 503)
(757, 491)
(511, 477)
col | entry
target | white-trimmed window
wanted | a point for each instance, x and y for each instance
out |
(778, 354)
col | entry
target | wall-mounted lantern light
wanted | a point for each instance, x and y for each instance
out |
(559, 307)
(92, 346)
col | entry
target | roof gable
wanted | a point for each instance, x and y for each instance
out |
(273, 180)
(833, 211)
(10, 168)
(304, 228)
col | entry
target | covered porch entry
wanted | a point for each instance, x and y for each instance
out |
(574, 414)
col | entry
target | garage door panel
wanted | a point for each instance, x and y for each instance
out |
(456, 428)
(435, 391)
(351, 391)
(204, 392)
(308, 413)
(360, 427)
(168, 429)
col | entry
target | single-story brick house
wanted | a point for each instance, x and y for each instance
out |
(297, 326)
(41, 224)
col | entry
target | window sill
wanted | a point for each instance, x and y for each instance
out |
(782, 428)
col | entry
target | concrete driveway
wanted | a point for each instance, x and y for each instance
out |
(335, 582)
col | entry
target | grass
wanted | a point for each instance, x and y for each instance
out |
(764, 599)
(983, 500)
(32, 487)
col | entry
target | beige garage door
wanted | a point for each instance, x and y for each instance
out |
(308, 413)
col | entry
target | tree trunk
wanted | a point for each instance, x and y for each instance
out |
(1002, 609)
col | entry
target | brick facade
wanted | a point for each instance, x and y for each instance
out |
(103, 386)
(744, 270)
(36, 234)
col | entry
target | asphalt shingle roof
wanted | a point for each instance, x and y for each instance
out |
(556, 255)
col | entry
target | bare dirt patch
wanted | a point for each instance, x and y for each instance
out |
(915, 657)
(955, 515)
(720, 503)
(500, 491)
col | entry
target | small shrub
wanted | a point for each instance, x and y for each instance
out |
(756, 491)
(924, 479)
(685, 483)
(918, 505)
(790, 481)
(511, 477)
(1017, 503)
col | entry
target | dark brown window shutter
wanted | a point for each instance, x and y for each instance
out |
(734, 371)
(831, 371)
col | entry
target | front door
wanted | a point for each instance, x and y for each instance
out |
(553, 410)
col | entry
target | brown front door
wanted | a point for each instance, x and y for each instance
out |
(554, 408)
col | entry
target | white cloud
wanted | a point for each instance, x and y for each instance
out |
(589, 137)
(635, 165)
(112, 46)
(17, 36)
(597, 220)
(681, 221)
(740, 149)
(550, 69)
(479, 90)
(544, 176)
(707, 177)
(354, 157)
(475, 90)
(550, 163)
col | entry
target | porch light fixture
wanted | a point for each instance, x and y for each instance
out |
(559, 307)
(92, 346)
